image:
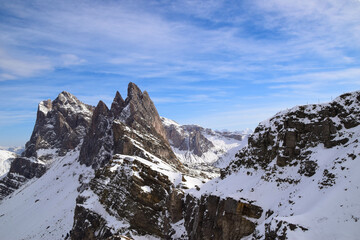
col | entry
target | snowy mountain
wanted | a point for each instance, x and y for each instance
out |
(59, 128)
(301, 166)
(100, 173)
(195, 145)
(6, 158)
(18, 150)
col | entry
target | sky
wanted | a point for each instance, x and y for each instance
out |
(219, 64)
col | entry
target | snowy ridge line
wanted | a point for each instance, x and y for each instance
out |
(313, 195)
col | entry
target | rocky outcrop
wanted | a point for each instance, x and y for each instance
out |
(21, 170)
(60, 124)
(132, 191)
(88, 225)
(288, 136)
(142, 195)
(127, 128)
(98, 145)
(214, 218)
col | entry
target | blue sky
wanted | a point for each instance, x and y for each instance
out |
(220, 64)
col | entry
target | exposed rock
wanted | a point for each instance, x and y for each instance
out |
(132, 191)
(97, 147)
(215, 218)
(277, 230)
(89, 225)
(60, 124)
(21, 170)
(289, 134)
(129, 126)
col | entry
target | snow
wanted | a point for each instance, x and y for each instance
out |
(220, 155)
(44, 208)
(125, 113)
(43, 108)
(169, 122)
(18, 149)
(5, 161)
(92, 202)
(146, 189)
(160, 166)
(329, 212)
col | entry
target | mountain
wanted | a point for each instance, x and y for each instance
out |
(301, 167)
(129, 127)
(195, 145)
(116, 173)
(59, 128)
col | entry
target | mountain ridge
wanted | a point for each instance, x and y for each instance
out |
(119, 177)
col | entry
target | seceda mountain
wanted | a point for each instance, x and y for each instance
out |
(100, 173)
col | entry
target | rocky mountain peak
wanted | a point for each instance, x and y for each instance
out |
(133, 125)
(142, 111)
(117, 105)
(101, 109)
(134, 91)
(60, 124)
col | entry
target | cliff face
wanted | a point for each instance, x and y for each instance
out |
(60, 124)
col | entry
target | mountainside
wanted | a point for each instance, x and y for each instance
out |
(196, 145)
(59, 128)
(100, 173)
(301, 167)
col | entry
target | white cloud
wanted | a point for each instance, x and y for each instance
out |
(13, 67)
(71, 60)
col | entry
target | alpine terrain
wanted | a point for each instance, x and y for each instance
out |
(124, 172)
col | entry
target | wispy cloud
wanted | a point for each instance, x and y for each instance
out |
(182, 52)
(13, 68)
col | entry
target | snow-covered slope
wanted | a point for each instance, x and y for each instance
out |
(18, 150)
(5, 161)
(302, 167)
(44, 207)
(195, 145)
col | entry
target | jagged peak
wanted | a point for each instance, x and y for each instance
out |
(117, 105)
(133, 90)
(101, 108)
(118, 97)
(67, 96)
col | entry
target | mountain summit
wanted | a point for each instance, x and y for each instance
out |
(127, 128)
